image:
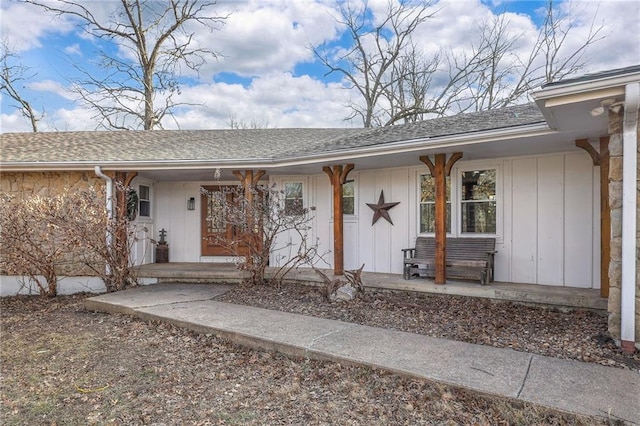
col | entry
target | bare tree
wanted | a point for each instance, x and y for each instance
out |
(503, 78)
(156, 39)
(376, 47)
(397, 83)
(235, 123)
(13, 76)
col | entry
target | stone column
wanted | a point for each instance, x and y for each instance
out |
(615, 201)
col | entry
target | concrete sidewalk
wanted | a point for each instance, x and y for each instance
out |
(574, 386)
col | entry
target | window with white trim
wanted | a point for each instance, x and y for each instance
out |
(349, 198)
(144, 200)
(293, 199)
(478, 201)
(471, 199)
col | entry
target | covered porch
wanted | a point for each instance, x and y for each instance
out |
(553, 296)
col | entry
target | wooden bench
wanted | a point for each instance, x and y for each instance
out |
(467, 258)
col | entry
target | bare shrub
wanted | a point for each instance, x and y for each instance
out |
(261, 227)
(67, 234)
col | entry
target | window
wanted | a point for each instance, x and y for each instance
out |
(428, 203)
(478, 201)
(293, 202)
(144, 197)
(349, 198)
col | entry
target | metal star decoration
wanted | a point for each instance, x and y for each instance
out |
(381, 209)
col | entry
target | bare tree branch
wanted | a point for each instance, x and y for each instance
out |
(159, 40)
(13, 75)
(376, 47)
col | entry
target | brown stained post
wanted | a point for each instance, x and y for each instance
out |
(605, 217)
(123, 181)
(440, 170)
(249, 182)
(602, 159)
(338, 176)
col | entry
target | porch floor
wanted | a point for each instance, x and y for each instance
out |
(517, 292)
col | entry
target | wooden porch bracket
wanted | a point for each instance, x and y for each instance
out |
(584, 144)
(602, 159)
(440, 170)
(249, 180)
(338, 176)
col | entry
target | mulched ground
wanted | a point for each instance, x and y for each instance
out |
(569, 334)
(64, 365)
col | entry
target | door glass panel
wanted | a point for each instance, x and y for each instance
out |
(215, 214)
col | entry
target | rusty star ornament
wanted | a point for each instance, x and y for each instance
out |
(381, 209)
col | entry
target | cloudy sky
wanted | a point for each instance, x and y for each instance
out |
(267, 73)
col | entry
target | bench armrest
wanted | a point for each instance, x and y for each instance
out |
(408, 252)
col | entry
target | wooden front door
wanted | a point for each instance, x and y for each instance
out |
(214, 225)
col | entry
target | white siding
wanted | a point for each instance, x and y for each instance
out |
(524, 226)
(548, 218)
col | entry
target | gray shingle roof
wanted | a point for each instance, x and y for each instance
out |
(249, 144)
(459, 124)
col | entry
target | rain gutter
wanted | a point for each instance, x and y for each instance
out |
(109, 205)
(629, 217)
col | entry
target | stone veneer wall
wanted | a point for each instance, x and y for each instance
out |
(48, 184)
(615, 201)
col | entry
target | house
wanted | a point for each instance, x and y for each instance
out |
(555, 182)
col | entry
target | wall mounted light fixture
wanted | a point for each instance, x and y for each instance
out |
(191, 203)
(608, 104)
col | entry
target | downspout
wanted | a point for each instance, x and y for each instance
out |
(629, 213)
(109, 204)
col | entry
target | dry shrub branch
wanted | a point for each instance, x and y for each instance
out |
(68, 234)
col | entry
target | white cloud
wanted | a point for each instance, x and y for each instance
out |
(73, 49)
(268, 36)
(25, 26)
(264, 41)
(51, 86)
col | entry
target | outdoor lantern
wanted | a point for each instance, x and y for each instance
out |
(191, 203)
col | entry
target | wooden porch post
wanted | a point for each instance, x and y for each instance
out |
(249, 181)
(602, 159)
(123, 181)
(440, 170)
(338, 176)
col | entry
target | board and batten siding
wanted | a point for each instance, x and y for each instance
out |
(548, 218)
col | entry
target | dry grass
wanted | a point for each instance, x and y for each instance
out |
(64, 365)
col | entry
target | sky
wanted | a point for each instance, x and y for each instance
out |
(266, 74)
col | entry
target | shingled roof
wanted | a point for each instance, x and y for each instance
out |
(242, 144)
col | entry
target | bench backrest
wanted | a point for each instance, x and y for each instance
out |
(425, 248)
(457, 248)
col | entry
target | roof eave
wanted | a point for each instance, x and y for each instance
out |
(580, 91)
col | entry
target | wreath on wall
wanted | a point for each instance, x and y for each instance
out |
(132, 204)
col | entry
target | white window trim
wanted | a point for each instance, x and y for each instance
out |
(456, 199)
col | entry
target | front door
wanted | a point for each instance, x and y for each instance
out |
(215, 227)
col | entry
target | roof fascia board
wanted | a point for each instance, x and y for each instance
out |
(584, 96)
(420, 144)
(585, 86)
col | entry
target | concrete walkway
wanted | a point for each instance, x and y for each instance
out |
(573, 386)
